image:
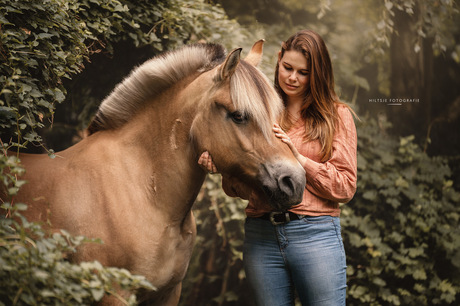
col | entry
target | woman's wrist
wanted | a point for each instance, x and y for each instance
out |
(302, 160)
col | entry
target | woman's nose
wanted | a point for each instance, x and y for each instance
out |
(293, 76)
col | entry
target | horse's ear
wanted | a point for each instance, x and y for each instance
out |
(255, 55)
(229, 66)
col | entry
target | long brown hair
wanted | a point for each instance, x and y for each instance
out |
(319, 109)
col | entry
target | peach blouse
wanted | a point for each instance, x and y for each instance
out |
(328, 183)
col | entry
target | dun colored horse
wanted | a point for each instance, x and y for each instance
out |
(132, 182)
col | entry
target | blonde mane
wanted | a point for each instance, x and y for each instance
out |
(247, 85)
(151, 78)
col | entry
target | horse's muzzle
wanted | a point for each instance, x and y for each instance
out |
(283, 183)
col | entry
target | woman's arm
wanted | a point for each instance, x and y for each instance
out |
(334, 179)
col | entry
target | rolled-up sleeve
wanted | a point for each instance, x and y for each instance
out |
(335, 179)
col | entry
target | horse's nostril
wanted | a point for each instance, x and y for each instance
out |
(287, 185)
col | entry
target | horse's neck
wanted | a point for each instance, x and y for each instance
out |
(163, 146)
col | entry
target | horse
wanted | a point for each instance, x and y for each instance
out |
(133, 180)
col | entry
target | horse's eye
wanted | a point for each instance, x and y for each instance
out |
(238, 117)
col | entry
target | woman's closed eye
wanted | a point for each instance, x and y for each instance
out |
(302, 72)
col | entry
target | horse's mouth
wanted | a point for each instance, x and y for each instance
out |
(280, 201)
(283, 184)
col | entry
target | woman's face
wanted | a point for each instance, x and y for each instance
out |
(293, 74)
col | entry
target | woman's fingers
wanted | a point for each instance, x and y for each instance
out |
(287, 140)
(211, 167)
(205, 160)
(281, 134)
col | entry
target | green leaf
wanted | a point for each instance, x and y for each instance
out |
(420, 274)
(370, 195)
(32, 137)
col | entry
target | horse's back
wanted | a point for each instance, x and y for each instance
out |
(39, 184)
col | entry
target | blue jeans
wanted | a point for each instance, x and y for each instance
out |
(305, 254)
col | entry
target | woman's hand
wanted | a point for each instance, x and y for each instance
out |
(232, 186)
(205, 161)
(285, 138)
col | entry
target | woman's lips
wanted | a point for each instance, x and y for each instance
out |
(290, 86)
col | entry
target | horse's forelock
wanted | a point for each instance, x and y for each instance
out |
(252, 92)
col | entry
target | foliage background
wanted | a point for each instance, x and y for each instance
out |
(59, 59)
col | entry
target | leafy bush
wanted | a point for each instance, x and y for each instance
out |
(42, 43)
(401, 230)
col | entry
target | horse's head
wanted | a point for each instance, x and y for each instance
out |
(237, 109)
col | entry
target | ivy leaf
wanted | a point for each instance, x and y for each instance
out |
(32, 137)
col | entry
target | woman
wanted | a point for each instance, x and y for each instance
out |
(304, 252)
